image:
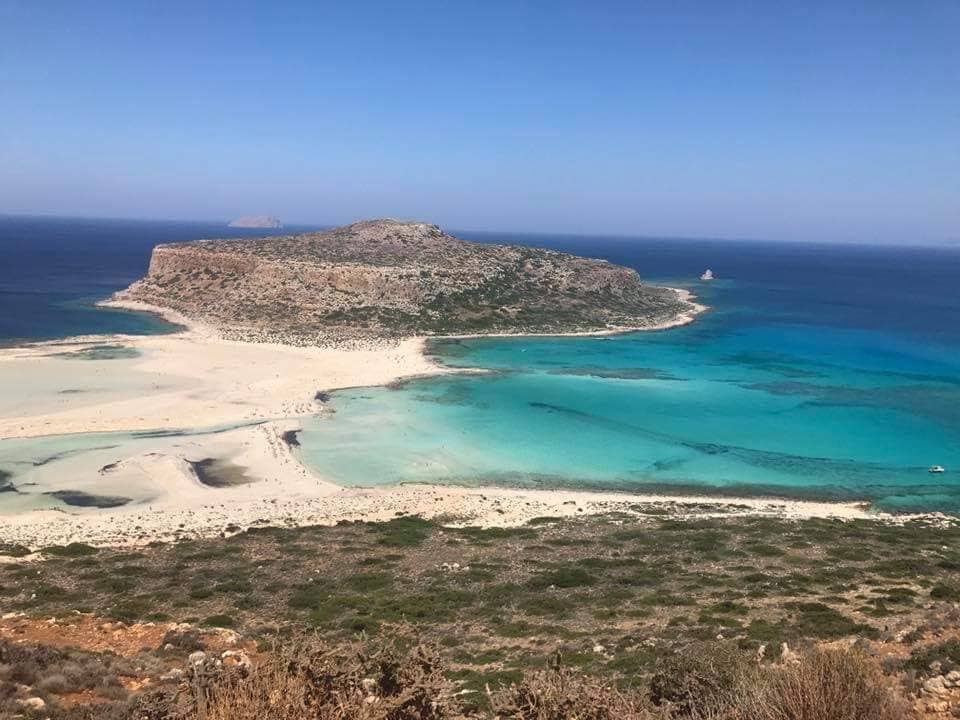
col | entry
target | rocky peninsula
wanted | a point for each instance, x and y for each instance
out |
(388, 279)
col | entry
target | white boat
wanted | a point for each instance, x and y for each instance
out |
(707, 275)
(936, 469)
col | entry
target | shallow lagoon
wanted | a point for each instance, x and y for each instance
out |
(92, 469)
(815, 385)
(744, 427)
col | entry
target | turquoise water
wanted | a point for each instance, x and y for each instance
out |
(755, 398)
(822, 371)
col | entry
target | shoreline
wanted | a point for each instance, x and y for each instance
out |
(325, 504)
(168, 315)
(194, 373)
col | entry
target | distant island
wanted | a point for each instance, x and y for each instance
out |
(256, 221)
(390, 279)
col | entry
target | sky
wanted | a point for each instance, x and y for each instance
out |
(821, 120)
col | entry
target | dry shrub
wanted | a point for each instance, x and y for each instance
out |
(560, 694)
(829, 684)
(718, 681)
(273, 691)
(703, 681)
(310, 680)
(307, 678)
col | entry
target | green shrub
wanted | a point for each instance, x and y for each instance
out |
(407, 531)
(943, 591)
(222, 621)
(72, 550)
(14, 550)
(565, 577)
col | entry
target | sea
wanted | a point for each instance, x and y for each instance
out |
(53, 270)
(821, 371)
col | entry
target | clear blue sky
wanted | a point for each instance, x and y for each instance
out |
(818, 120)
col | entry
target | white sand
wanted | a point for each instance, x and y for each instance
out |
(190, 379)
(194, 379)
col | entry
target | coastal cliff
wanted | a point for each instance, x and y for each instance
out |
(387, 279)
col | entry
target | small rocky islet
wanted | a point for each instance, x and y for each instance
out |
(256, 221)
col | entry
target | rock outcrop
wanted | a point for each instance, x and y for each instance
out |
(384, 278)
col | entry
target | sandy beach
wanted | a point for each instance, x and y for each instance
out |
(248, 397)
(291, 499)
(186, 379)
(195, 378)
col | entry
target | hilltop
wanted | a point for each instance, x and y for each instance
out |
(388, 279)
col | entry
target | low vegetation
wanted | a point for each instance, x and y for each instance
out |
(649, 612)
(359, 681)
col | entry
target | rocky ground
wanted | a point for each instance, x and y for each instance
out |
(616, 595)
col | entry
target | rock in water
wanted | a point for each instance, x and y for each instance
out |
(256, 221)
(388, 279)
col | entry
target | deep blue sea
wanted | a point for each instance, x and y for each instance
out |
(53, 270)
(821, 371)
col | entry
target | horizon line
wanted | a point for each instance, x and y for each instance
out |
(946, 244)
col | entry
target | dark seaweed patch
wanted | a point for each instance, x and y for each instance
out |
(937, 401)
(561, 409)
(5, 485)
(457, 393)
(69, 453)
(642, 373)
(100, 352)
(149, 434)
(217, 473)
(773, 362)
(77, 498)
(847, 479)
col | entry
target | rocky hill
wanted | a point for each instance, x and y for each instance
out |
(384, 278)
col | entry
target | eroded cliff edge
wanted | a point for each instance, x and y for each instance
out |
(389, 279)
